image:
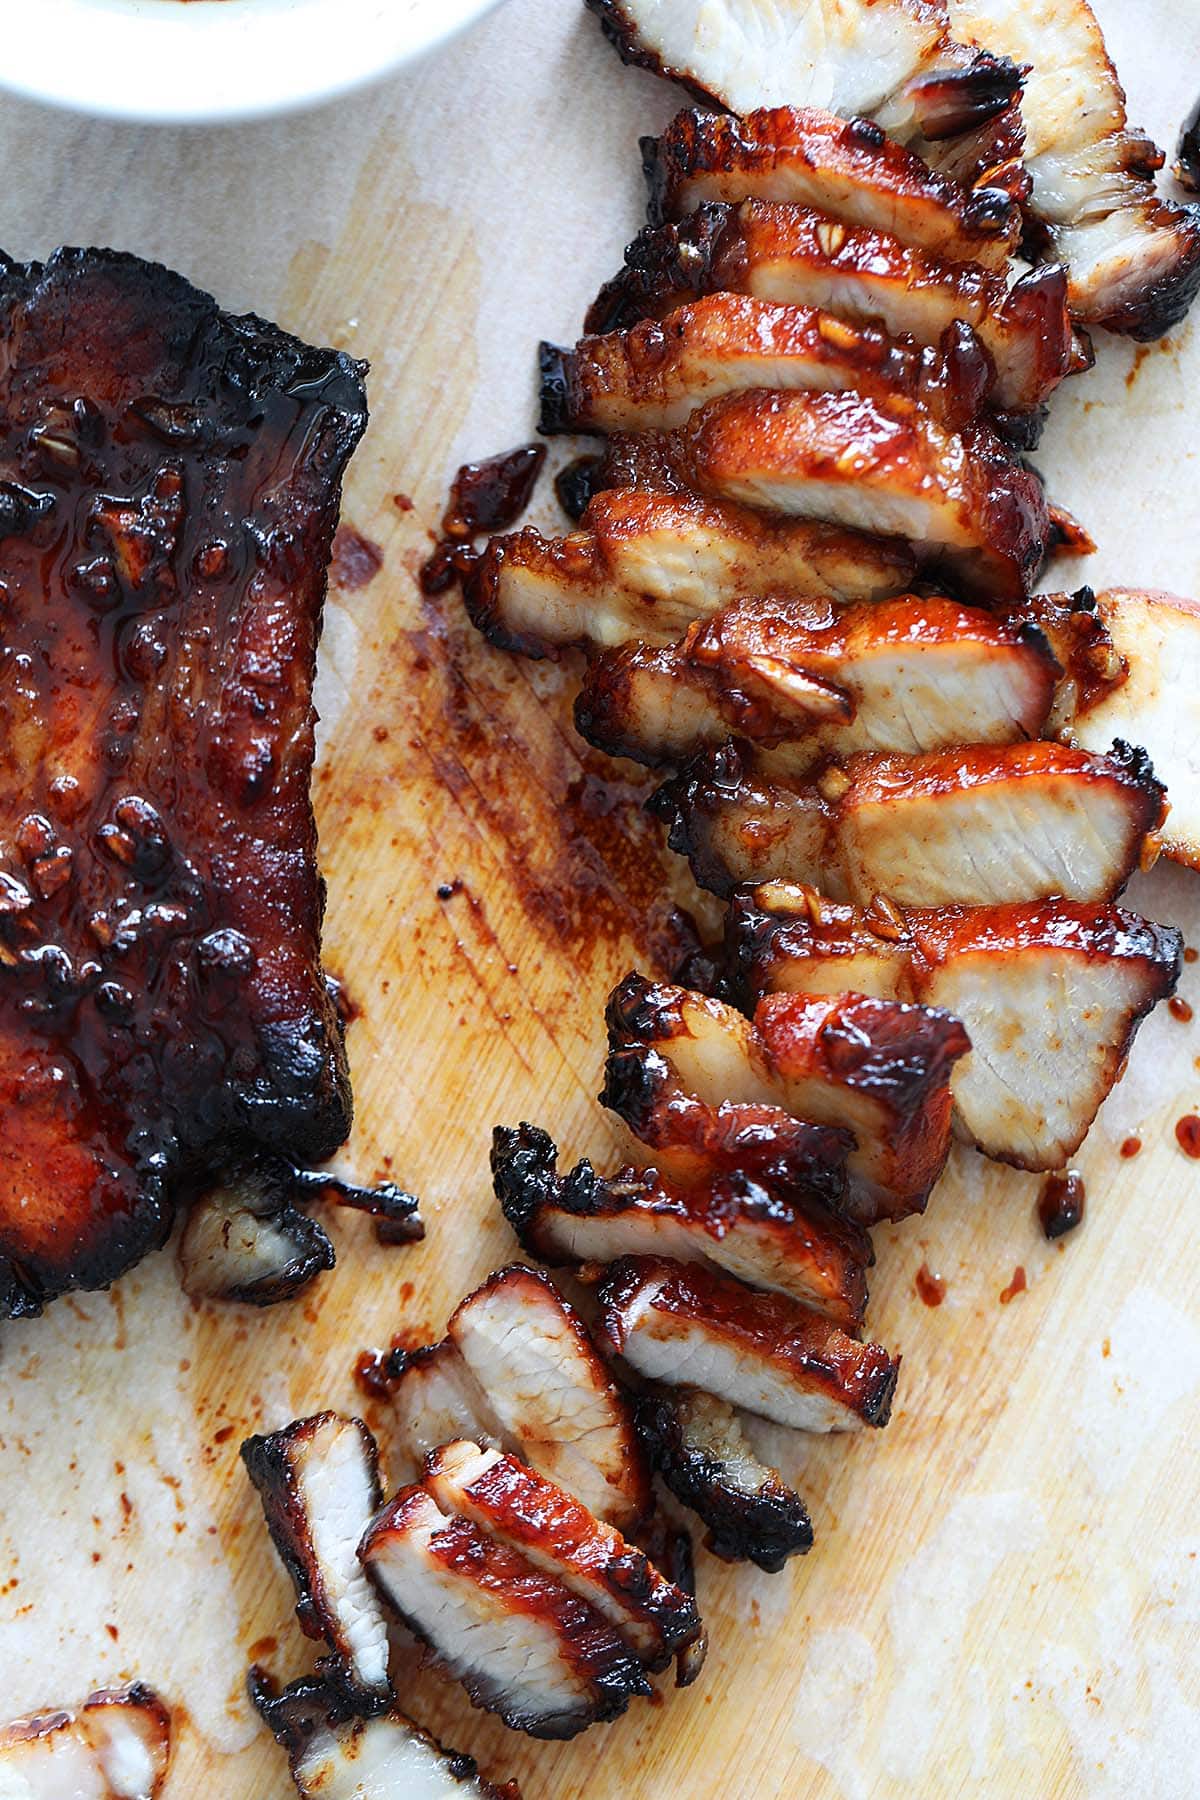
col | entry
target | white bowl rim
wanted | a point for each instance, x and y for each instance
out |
(210, 62)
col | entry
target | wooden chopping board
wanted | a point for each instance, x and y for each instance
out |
(1004, 1595)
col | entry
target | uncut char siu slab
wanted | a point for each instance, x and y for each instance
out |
(333, 1754)
(691, 1327)
(791, 255)
(771, 1236)
(654, 375)
(646, 562)
(520, 1642)
(962, 501)
(848, 169)
(811, 681)
(1051, 993)
(878, 1069)
(1132, 256)
(975, 826)
(169, 485)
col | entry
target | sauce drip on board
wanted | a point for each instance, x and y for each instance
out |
(930, 1288)
(1187, 1134)
(1016, 1286)
(1061, 1202)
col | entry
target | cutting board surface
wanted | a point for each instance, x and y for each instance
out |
(1005, 1594)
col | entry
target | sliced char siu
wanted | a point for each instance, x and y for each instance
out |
(655, 375)
(1156, 638)
(244, 1239)
(520, 1642)
(771, 1237)
(878, 1069)
(318, 1480)
(892, 58)
(696, 1141)
(848, 169)
(434, 1397)
(560, 1537)
(805, 681)
(793, 256)
(1051, 994)
(697, 1444)
(691, 1327)
(648, 562)
(1133, 257)
(334, 1754)
(556, 1403)
(976, 826)
(116, 1746)
(963, 503)
(162, 1003)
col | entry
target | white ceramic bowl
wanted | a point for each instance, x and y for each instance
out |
(210, 61)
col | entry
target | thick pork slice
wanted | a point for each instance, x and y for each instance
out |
(848, 169)
(319, 1483)
(854, 56)
(877, 1068)
(804, 680)
(963, 502)
(648, 561)
(977, 826)
(653, 376)
(116, 1746)
(559, 1536)
(697, 1444)
(690, 1327)
(1133, 257)
(334, 1754)
(554, 1399)
(1051, 993)
(797, 257)
(520, 1642)
(772, 1237)
(1157, 636)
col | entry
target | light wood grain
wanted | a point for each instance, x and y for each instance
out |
(1004, 1593)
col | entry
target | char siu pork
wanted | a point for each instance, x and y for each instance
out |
(647, 563)
(772, 1237)
(847, 169)
(803, 681)
(1133, 257)
(520, 1642)
(169, 485)
(974, 826)
(698, 1445)
(964, 503)
(790, 255)
(1051, 994)
(116, 1746)
(879, 1069)
(334, 1754)
(318, 1480)
(691, 1327)
(557, 1534)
